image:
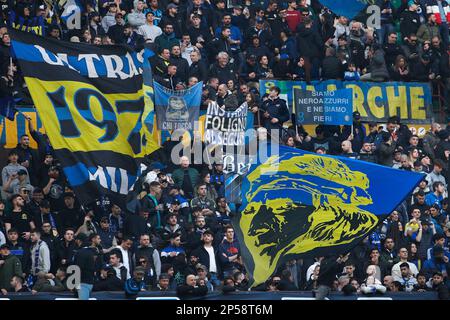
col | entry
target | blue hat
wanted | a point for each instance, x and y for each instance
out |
(157, 166)
(411, 2)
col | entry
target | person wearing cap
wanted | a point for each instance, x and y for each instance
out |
(115, 32)
(443, 147)
(107, 280)
(202, 275)
(172, 227)
(18, 182)
(136, 283)
(149, 30)
(110, 18)
(261, 30)
(174, 18)
(163, 283)
(9, 172)
(209, 257)
(10, 266)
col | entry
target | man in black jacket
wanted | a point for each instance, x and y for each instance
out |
(206, 254)
(174, 18)
(191, 289)
(409, 20)
(85, 259)
(275, 111)
(310, 45)
(170, 80)
(181, 63)
(332, 66)
(329, 268)
(28, 158)
(391, 49)
(198, 68)
(108, 280)
(223, 70)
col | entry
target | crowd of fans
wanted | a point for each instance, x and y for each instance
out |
(181, 237)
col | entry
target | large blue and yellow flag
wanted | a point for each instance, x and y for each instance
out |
(91, 103)
(299, 204)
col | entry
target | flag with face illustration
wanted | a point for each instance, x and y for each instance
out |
(297, 204)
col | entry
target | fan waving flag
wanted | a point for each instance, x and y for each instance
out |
(298, 204)
(91, 103)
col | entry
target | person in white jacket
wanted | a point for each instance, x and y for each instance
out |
(40, 254)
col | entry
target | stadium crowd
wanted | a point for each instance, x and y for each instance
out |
(181, 237)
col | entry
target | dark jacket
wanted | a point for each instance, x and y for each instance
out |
(111, 283)
(12, 267)
(329, 268)
(332, 68)
(198, 70)
(409, 23)
(230, 101)
(33, 158)
(391, 51)
(378, 68)
(203, 257)
(309, 43)
(85, 259)
(276, 108)
(166, 41)
(64, 251)
(182, 67)
(223, 74)
(186, 291)
(386, 154)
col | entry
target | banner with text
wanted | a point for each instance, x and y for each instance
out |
(225, 127)
(90, 100)
(375, 101)
(323, 107)
(177, 109)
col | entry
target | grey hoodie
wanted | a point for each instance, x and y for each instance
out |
(11, 169)
(136, 18)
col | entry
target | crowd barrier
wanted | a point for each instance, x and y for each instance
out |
(285, 296)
